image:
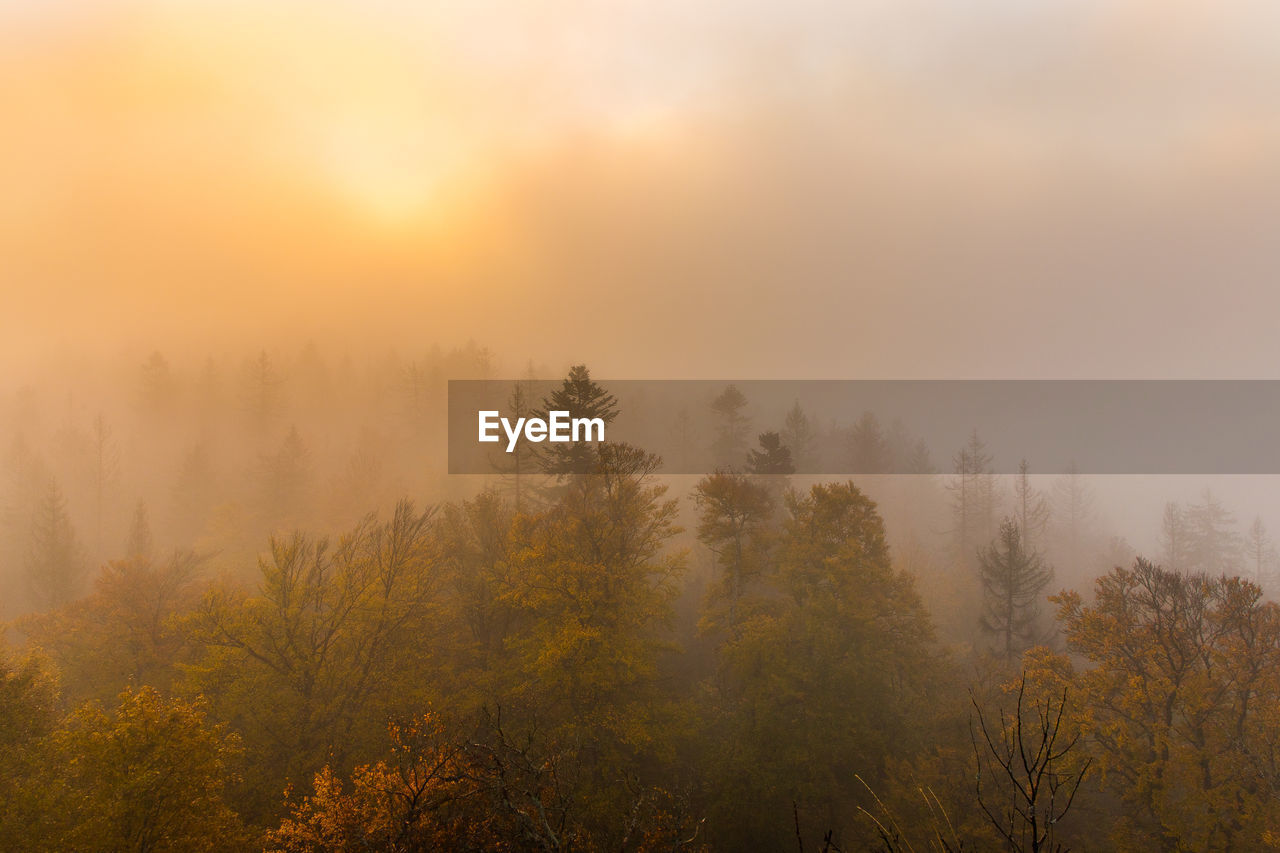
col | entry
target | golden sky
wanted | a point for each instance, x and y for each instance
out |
(661, 188)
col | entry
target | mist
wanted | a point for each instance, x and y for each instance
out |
(245, 247)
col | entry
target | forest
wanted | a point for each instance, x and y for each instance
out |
(247, 609)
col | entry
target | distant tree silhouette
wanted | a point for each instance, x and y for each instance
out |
(731, 427)
(1012, 581)
(56, 564)
(581, 397)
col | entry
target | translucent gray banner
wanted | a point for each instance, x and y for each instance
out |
(898, 426)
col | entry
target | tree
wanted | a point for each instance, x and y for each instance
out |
(151, 775)
(522, 462)
(734, 518)
(1261, 551)
(439, 790)
(26, 482)
(731, 427)
(1183, 696)
(333, 639)
(1073, 514)
(1012, 581)
(581, 397)
(55, 564)
(867, 448)
(261, 387)
(1022, 756)
(1031, 507)
(799, 435)
(772, 459)
(106, 473)
(28, 715)
(477, 550)
(1213, 545)
(975, 503)
(594, 590)
(139, 543)
(683, 434)
(285, 476)
(158, 387)
(125, 631)
(194, 494)
(833, 624)
(412, 802)
(1173, 536)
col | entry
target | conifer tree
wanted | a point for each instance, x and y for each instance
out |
(1073, 515)
(1261, 552)
(1031, 507)
(773, 457)
(731, 427)
(581, 397)
(799, 435)
(868, 451)
(55, 565)
(975, 501)
(1013, 579)
(139, 544)
(522, 462)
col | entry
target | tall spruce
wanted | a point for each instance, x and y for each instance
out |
(731, 426)
(581, 397)
(55, 564)
(1013, 580)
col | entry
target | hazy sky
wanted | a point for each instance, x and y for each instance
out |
(660, 188)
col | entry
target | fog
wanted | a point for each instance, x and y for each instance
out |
(895, 190)
(244, 247)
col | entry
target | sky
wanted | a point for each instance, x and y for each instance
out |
(916, 188)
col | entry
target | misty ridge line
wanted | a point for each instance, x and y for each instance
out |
(900, 426)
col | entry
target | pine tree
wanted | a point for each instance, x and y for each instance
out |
(799, 435)
(1213, 546)
(868, 451)
(1031, 507)
(1073, 514)
(732, 425)
(55, 564)
(773, 457)
(522, 462)
(684, 441)
(581, 397)
(285, 477)
(975, 502)
(158, 387)
(139, 544)
(106, 474)
(1261, 551)
(1173, 537)
(260, 390)
(1012, 581)
(194, 495)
